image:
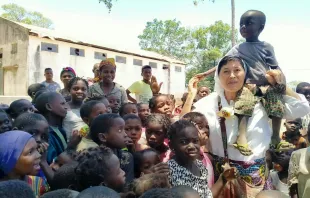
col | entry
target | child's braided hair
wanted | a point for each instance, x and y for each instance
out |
(160, 119)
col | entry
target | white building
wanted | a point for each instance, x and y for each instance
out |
(26, 50)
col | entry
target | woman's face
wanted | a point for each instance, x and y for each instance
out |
(28, 162)
(232, 76)
(108, 73)
(66, 77)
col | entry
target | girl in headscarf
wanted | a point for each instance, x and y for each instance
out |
(115, 92)
(229, 80)
(19, 159)
(66, 74)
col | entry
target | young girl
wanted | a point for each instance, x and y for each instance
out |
(5, 122)
(156, 130)
(143, 112)
(185, 169)
(89, 111)
(144, 160)
(78, 88)
(162, 104)
(201, 123)
(107, 87)
(66, 74)
(279, 173)
(19, 157)
(133, 128)
(113, 136)
(128, 108)
(20, 106)
(105, 169)
(54, 108)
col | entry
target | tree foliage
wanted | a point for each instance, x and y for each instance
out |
(17, 13)
(107, 3)
(201, 48)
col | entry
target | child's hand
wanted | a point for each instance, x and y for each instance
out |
(160, 168)
(42, 149)
(275, 76)
(155, 86)
(75, 139)
(229, 173)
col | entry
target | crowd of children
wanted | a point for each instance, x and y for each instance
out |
(90, 141)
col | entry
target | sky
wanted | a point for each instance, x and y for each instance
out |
(287, 27)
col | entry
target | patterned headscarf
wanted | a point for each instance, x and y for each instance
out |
(11, 147)
(68, 69)
(107, 62)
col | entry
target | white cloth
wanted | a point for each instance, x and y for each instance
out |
(277, 183)
(258, 129)
(72, 121)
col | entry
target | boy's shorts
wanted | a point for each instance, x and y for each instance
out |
(272, 101)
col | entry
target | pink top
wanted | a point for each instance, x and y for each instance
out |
(207, 163)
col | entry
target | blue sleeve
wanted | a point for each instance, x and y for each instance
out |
(51, 154)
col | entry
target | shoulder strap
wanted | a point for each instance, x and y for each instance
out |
(223, 130)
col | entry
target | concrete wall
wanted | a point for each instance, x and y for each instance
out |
(126, 73)
(14, 72)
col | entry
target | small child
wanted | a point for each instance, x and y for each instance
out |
(89, 111)
(144, 160)
(20, 106)
(260, 59)
(279, 174)
(65, 157)
(65, 177)
(78, 89)
(113, 136)
(115, 103)
(157, 126)
(34, 88)
(293, 135)
(143, 112)
(162, 104)
(149, 181)
(128, 108)
(185, 169)
(100, 98)
(105, 169)
(54, 108)
(98, 191)
(5, 122)
(201, 123)
(133, 128)
(203, 91)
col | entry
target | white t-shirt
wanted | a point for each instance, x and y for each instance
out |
(277, 183)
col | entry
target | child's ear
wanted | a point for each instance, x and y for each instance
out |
(48, 107)
(261, 28)
(102, 137)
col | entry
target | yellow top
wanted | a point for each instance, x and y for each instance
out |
(142, 91)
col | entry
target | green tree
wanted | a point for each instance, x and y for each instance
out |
(165, 37)
(17, 13)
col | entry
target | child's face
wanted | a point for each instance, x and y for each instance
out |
(28, 162)
(39, 131)
(116, 137)
(108, 73)
(24, 107)
(149, 159)
(62, 159)
(133, 128)
(250, 26)
(306, 92)
(105, 101)
(66, 77)
(203, 92)
(202, 126)
(155, 134)
(147, 74)
(292, 126)
(78, 91)
(115, 179)
(186, 144)
(97, 110)
(130, 109)
(164, 105)
(48, 74)
(114, 103)
(144, 111)
(59, 106)
(5, 123)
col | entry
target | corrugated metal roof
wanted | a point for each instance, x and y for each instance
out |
(62, 36)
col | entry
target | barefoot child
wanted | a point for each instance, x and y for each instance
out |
(260, 59)
(185, 169)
